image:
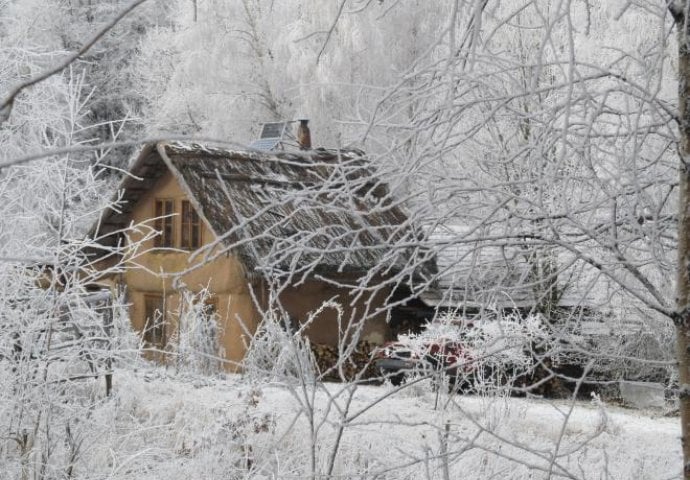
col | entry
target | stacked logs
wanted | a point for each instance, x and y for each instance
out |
(356, 366)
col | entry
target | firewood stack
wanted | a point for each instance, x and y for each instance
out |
(358, 365)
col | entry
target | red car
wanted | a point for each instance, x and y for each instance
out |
(434, 357)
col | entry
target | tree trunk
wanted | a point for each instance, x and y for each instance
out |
(683, 285)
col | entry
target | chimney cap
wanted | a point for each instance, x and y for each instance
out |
(304, 135)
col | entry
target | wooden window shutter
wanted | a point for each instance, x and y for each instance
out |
(190, 238)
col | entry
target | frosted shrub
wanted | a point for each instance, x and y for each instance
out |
(495, 352)
(277, 354)
(640, 352)
(196, 342)
(56, 346)
(125, 340)
(511, 341)
(508, 349)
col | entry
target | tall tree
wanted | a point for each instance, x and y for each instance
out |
(678, 10)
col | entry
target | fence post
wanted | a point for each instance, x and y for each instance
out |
(108, 330)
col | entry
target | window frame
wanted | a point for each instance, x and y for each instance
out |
(190, 226)
(164, 223)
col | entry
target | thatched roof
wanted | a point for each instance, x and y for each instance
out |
(320, 211)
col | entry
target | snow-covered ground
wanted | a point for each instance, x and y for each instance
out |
(160, 426)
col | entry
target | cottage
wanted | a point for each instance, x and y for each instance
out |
(239, 222)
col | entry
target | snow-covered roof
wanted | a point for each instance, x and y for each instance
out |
(481, 270)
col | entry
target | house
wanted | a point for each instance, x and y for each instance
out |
(239, 222)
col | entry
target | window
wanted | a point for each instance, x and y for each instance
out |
(154, 326)
(190, 238)
(190, 225)
(164, 223)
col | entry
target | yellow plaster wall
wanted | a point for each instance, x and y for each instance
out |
(303, 300)
(159, 272)
(238, 321)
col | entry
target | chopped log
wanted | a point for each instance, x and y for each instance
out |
(356, 366)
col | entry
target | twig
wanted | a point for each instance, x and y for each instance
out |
(6, 105)
(329, 34)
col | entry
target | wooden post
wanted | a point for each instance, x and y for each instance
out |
(108, 330)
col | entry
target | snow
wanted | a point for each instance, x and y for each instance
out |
(163, 426)
(642, 394)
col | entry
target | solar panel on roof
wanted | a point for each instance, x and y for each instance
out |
(265, 143)
(271, 136)
(273, 130)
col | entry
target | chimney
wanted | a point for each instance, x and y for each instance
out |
(303, 135)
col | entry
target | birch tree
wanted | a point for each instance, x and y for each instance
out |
(678, 11)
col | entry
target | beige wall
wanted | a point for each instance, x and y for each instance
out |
(331, 324)
(162, 272)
